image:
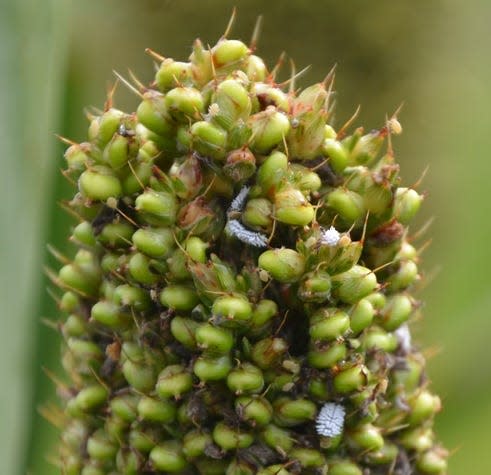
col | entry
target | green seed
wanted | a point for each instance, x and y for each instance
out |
(214, 339)
(172, 73)
(157, 207)
(130, 296)
(423, 405)
(208, 368)
(255, 410)
(184, 331)
(267, 352)
(292, 412)
(397, 310)
(376, 338)
(258, 214)
(354, 284)
(419, 439)
(247, 378)
(351, 379)
(154, 115)
(361, 315)
(265, 310)
(154, 242)
(327, 355)
(99, 184)
(91, 397)
(291, 207)
(284, 265)
(125, 407)
(229, 51)
(367, 437)
(209, 139)
(128, 462)
(162, 411)
(195, 442)
(144, 439)
(328, 324)
(268, 129)
(233, 103)
(235, 309)
(230, 439)
(196, 248)
(109, 314)
(308, 458)
(116, 235)
(139, 376)
(116, 152)
(347, 204)
(179, 297)
(406, 275)
(173, 381)
(338, 156)
(272, 170)
(140, 270)
(433, 461)
(168, 457)
(406, 204)
(278, 437)
(83, 234)
(101, 447)
(184, 102)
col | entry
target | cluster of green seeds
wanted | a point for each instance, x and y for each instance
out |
(239, 297)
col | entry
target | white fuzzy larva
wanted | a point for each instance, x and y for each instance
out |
(237, 229)
(403, 335)
(239, 201)
(330, 420)
(330, 236)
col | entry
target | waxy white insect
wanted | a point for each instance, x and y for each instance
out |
(330, 236)
(403, 335)
(237, 229)
(239, 201)
(330, 420)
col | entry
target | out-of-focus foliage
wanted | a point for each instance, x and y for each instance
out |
(56, 58)
(31, 66)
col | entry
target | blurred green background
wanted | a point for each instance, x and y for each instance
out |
(56, 57)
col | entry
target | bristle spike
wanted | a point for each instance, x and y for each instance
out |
(293, 77)
(53, 414)
(110, 96)
(67, 208)
(348, 123)
(61, 385)
(65, 140)
(137, 178)
(365, 224)
(154, 54)
(422, 230)
(128, 85)
(66, 175)
(52, 294)
(230, 23)
(421, 178)
(277, 67)
(328, 81)
(61, 258)
(256, 33)
(138, 83)
(47, 322)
